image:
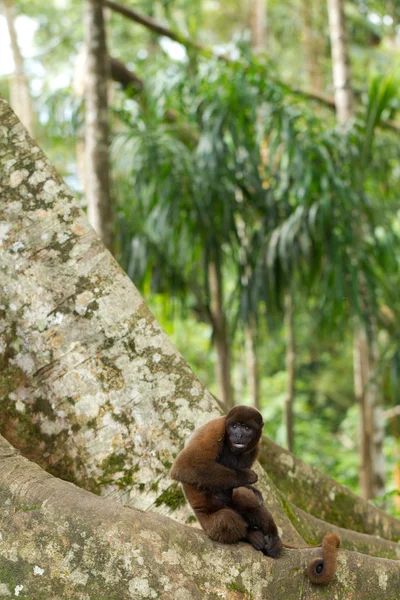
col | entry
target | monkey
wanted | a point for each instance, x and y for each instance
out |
(215, 472)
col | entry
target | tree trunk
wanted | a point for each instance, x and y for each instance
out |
(97, 177)
(252, 364)
(58, 541)
(20, 98)
(361, 376)
(345, 509)
(290, 370)
(396, 479)
(92, 388)
(372, 475)
(220, 333)
(258, 24)
(313, 46)
(372, 467)
(340, 61)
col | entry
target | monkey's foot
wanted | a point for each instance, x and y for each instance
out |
(272, 546)
(256, 538)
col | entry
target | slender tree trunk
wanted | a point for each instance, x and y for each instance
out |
(290, 370)
(20, 98)
(223, 363)
(97, 177)
(378, 418)
(396, 478)
(258, 24)
(340, 61)
(252, 363)
(372, 430)
(313, 46)
(365, 349)
(361, 376)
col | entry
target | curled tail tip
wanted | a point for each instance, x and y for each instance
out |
(322, 570)
(319, 573)
(332, 539)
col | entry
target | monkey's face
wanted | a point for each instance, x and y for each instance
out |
(243, 428)
(241, 436)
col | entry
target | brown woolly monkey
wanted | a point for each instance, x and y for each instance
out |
(215, 471)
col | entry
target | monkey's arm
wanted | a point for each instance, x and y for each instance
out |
(197, 466)
(211, 476)
(257, 493)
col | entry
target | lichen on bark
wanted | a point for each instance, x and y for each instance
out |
(86, 342)
(93, 390)
(58, 541)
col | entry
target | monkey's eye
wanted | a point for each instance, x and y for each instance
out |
(234, 426)
(247, 428)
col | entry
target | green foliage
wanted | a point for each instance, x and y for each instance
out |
(218, 162)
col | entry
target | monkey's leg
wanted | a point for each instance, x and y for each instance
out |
(247, 503)
(224, 525)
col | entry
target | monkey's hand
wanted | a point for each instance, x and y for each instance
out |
(246, 477)
(257, 493)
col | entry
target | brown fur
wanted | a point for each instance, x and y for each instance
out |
(217, 482)
(321, 570)
(226, 505)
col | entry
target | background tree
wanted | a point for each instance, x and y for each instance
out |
(121, 380)
(97, 185)
(246, 139)
(20, 97)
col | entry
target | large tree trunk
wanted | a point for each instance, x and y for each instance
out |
(91, 388)
(220, 333)
(258, 24)
(58, 541)
(97, 175)
(372, 470)
(20, 97)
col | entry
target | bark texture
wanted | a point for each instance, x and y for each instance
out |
(90, 386)
(58, 541)
(97, 175)
(322, 496)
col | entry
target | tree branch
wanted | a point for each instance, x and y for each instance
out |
(312, 488)
(59, 541)
(152, 25)
(106, 400)
(159, 29)
(121, 74)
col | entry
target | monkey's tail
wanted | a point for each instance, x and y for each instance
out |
(321, 570)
